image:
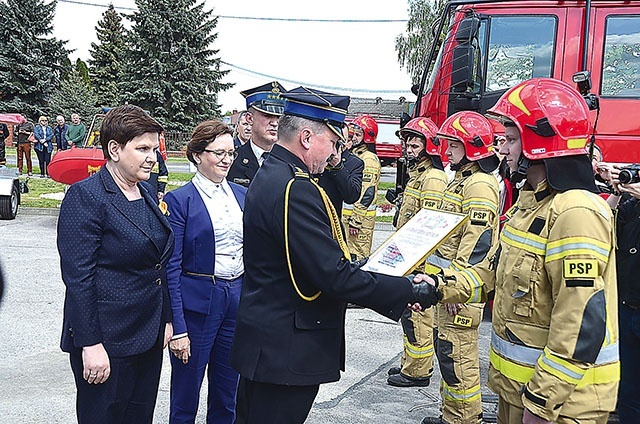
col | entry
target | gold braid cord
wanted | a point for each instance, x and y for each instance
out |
(336, 229)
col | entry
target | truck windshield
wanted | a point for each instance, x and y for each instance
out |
(520, 47)
(621, 64)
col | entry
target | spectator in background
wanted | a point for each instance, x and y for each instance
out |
(243, 130)
(342, 177)
(159, 176)
(205, 277)
(4, 133)
(43, 145)
(76, 131)
(25, 130)
(60, 132)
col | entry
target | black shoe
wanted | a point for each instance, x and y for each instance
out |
(401, 380)
(394, 370)
(432, 420)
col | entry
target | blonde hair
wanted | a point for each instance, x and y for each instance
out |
(40, 119)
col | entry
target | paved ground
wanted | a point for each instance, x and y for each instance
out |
(35, 376)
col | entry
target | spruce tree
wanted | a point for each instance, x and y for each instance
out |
(171, 69)
(413, 46)
(31, 61)
(74, 96)
(105, 64)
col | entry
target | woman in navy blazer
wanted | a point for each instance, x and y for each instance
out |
(114, 244)
(43, 145)
(205, 278)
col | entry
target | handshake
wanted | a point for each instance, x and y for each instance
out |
(425, 292)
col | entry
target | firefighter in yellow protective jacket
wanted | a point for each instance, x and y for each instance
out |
(424, 188)
(475, 192)
(554, 346)
(360, 218)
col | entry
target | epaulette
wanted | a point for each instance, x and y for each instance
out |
(299, 173)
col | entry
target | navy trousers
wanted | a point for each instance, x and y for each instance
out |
(264, 403)
(129, 394)
(628, 399)
(211, 337)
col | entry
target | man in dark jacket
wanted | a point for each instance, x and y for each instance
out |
(290, 325)
(342, 177)
(264, 108)
(60, 132)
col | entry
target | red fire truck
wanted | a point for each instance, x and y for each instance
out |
(485, 47)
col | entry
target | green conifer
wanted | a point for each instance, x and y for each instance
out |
(31, 60)
(105, 64)
(171, 69)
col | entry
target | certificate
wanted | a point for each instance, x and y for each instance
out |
(412, 243)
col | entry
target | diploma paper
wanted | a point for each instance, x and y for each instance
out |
(412, 243)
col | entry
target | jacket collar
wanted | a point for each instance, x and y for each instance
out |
(121, 203)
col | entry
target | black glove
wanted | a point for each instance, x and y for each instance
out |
(425, 294)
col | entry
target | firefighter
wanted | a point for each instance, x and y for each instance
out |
(360, 218)
(474, 191)
(554, 346)
(424, 188)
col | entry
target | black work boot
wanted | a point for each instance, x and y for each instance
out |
(401, 380)
(433, 420)
(394, 370)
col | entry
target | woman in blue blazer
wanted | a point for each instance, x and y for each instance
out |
(205, 277)
(114, 245)
(44, 144)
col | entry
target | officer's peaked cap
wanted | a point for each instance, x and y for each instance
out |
(267, 98)
(319, 106)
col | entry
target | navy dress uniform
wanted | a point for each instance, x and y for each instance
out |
(266, 99)
(343, 183)
(290, 324)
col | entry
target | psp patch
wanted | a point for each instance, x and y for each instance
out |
(479, 216)
(580, 269)
(367, 177)
(462, 321)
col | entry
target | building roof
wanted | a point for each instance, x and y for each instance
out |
(379, 108)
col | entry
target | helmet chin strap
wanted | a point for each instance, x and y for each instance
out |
(413, 161)
(460, 164)
(519, 177)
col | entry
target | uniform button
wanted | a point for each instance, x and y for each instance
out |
(158, 266)
(159, 281)
(318, 322)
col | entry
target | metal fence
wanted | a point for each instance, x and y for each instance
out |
(176, 141)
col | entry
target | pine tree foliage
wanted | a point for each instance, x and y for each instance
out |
(171, 69)
(413, 46)
(74, 96)
(31, 60)
(105, 64)
(82, 70)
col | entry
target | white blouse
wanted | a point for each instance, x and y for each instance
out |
(226, 219)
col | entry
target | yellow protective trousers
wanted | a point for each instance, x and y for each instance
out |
(457, 351)
(417, 356)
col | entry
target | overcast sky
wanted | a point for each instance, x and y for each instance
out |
(332, 56)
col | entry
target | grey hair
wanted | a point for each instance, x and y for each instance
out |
(289, 126)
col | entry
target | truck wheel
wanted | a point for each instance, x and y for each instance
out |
(9, 205)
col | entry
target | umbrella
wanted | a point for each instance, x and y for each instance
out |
(12, 118)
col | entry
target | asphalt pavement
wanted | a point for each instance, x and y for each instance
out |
(36, 380)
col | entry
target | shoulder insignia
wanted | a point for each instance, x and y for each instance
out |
(480, 215)
(580, 269)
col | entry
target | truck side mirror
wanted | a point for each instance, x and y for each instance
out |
(462, 70)
(468, 30)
